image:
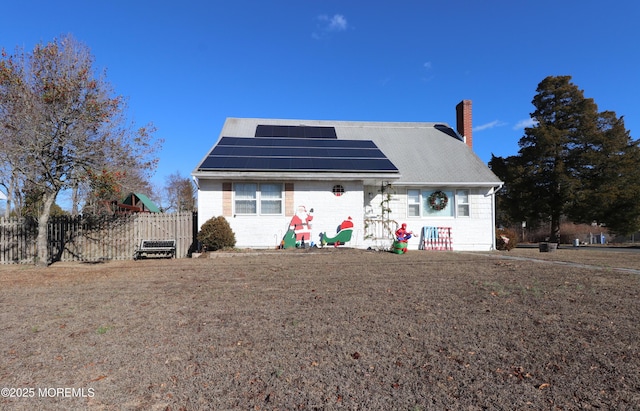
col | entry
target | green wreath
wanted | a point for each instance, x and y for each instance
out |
(438, 200)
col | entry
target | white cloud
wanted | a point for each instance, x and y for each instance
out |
(428, 65)
(493, 124)
(330, 24)
(525, 123)
(337, 23)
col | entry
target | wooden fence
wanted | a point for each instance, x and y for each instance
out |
(88, 238)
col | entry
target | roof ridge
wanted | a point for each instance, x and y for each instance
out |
(342, 123)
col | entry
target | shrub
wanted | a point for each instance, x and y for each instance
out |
(216, 234)
(506, 239)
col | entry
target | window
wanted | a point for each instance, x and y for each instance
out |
(248, 196)
(270, 198)
(462, 203)
(430, 211)
(338, 190)
(437, 203)
(413, 203)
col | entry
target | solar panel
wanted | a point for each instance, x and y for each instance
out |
(298, 164)
(269, 131)
(447, 130)
(298, 142)
(291, 154)
(302, 152)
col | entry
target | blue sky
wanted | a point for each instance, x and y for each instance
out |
(187, 65)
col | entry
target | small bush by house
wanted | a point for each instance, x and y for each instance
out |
(216, 234)
(506, 239)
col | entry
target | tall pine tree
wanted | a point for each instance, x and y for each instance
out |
(574, 162)
(609, 187)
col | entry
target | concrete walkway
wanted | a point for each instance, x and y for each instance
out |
(563, 263)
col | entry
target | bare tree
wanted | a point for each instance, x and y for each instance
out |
(180, 192)
(59, 121)
(8, 182)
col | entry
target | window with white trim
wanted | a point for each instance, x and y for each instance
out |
(254, 199)
(432, 200)
(413, 203)
(270, 198)
(462, 203)
(437, 203)
(246, 195)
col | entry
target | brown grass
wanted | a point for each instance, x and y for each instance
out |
(326, 329)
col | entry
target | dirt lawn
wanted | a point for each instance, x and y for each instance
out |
(325, 329)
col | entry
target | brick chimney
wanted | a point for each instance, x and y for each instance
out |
(463, 121)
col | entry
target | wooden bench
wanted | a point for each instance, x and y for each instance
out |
(160, 248)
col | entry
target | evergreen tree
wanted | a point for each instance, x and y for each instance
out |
(609, 188)
(509, 200)
(573, 162)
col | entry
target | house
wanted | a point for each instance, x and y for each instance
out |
(299, 179)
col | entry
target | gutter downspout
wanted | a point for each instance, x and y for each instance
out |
(493, 192)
